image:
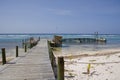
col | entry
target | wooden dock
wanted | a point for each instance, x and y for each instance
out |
(34, 65)
(85, 40)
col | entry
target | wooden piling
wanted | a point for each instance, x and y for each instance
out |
(25, 47)
(60, 69)
(52, 59)
(3, 56)
(16, 51)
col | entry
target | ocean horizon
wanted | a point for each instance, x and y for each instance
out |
(10, 40)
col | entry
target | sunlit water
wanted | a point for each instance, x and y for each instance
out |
(9, 41)
(73, 48)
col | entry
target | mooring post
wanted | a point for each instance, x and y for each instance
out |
(3, 56)
(52, 58)
(16, 51)
(25, 47)
(60, 68)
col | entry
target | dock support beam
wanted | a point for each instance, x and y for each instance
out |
(3, 56)
(60, 68)
(16, 51)
(25, 47)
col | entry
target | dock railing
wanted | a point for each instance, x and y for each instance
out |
(58, 68)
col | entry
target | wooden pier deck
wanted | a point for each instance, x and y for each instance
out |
(35, 65)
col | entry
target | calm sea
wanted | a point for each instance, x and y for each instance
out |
(12, 40)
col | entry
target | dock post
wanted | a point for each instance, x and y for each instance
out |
(16, 51)
(52, 59)
(60, 68)
(25, 47)
(3, 56)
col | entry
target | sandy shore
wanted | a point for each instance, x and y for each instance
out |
(104, 65)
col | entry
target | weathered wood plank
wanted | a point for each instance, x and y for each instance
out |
(34, 66)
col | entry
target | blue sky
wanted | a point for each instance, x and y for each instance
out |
(60, 16)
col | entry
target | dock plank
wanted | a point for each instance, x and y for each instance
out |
(35, 65)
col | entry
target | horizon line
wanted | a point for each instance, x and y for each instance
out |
(55, 34)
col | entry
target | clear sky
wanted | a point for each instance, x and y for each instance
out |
(60, 16)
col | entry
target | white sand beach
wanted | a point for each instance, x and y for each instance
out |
(104, 65)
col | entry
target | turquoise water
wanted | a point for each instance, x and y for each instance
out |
(76, 48)
(113, 41)
(12, 40)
